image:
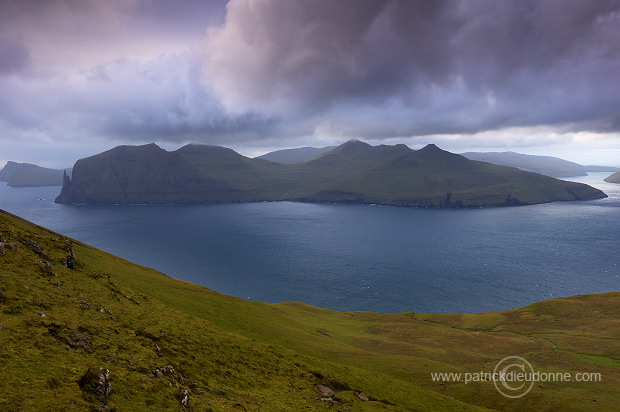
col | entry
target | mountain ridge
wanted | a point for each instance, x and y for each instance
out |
(352, 172)
(547, 165)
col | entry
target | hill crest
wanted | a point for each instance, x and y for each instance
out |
(352, 172)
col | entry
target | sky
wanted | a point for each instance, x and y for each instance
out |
(78, 77)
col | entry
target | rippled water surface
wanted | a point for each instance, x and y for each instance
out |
(354, 257)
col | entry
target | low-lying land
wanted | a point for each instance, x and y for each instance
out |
(614, 178)
(81, 329)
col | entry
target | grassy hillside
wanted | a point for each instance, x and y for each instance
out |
(67, 309)
(351, 172)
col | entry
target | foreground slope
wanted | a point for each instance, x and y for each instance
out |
(68, 311)
(67, 308)
(352, 172)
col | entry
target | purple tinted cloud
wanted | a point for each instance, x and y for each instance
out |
(14, 57)
(445, 66)
(248, 70)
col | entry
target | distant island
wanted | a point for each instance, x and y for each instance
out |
(614, 178)
(546, 165)
(29, 175)
(299, 154)
(354, 172)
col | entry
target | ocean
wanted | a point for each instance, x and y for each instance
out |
(358, 257)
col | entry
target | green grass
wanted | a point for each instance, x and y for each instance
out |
(231, 354)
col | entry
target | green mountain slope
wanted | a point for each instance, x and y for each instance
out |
(546, 165)
(29, 175)
(351, 172)
(85, 330)
(431, 177)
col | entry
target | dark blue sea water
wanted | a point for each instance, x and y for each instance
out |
(354, 257)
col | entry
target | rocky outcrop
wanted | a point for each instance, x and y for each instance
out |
(79, 340)
(4, 245)
(70, 261)
(33, 246)
(184, 398)
(95, 385)
(46, 268)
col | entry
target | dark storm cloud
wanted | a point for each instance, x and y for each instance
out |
(226, 72)
(443, 66)
(14, 57)
(311, 53)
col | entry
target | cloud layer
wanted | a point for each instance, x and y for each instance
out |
(426, 67)
(249, 71)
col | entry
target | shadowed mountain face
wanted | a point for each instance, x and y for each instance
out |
(353, 172)
(29, 175)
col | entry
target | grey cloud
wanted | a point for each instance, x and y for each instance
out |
(14, 56)
(309, 54)
(446, 66)
(168, 101)
(160, 99)
(131, 70)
